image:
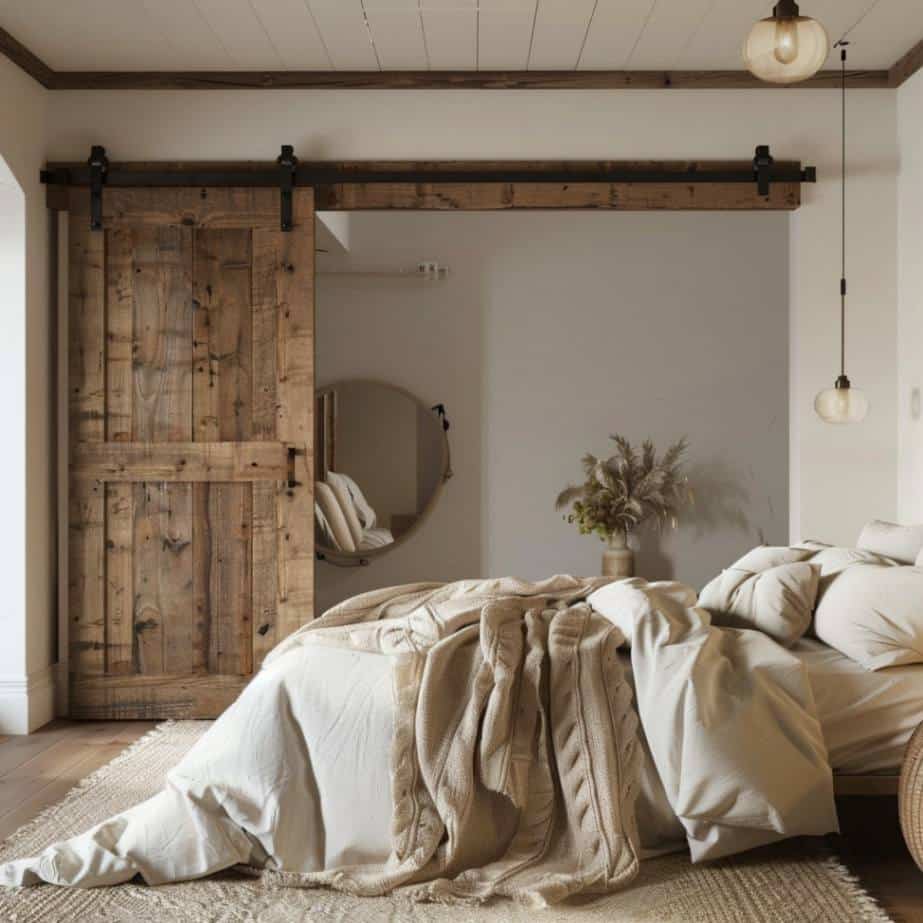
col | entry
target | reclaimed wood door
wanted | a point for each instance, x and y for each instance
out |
(191, 383)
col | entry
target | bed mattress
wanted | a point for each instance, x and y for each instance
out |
(867, 717)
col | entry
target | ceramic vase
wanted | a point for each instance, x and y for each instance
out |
(618, 558)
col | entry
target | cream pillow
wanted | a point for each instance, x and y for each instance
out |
(777, 601)
(621, 604)
(366, 514)
(333, 513)
(765, 556)
(349, 509)
(901, 543)
(874, 615)
(834, 561)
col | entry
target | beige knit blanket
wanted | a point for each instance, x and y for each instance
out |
(515, 755)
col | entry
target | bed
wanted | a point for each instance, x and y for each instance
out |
(502, 738)
(478, 739)
(867, 720)
(859, 635)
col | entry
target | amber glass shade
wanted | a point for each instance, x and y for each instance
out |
(786, 49)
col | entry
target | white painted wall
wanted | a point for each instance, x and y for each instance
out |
(552, 331)
(648, 325)
(426, 337)
(839, 477)
(26, 383)
(910, 312)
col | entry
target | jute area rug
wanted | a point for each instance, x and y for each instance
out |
(786, 884)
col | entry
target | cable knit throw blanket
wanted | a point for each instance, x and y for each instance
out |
(514, 757)
(513, 763)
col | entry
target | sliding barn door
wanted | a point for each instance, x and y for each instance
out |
(191, 374)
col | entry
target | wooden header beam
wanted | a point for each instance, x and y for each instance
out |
(761, 184)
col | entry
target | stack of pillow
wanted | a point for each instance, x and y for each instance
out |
(867, 602)
(345, 521)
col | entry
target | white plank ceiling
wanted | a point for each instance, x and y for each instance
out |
(432, 34)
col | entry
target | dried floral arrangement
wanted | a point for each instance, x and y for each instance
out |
(629, 488)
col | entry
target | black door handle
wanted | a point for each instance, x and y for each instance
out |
(293, 453)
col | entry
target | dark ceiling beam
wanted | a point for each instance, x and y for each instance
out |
(904, 68)
(440, 80)
(33, 65)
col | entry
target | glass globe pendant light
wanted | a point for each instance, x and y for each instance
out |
(842, 403)
(786, 47)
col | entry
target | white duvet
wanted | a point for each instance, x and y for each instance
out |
(297, 775)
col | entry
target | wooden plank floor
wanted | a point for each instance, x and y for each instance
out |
(38, 770)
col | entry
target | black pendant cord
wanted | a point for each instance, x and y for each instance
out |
(842, 44)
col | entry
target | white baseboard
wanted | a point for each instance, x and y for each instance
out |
(27, 702)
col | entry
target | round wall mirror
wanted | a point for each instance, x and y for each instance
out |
(381, 458)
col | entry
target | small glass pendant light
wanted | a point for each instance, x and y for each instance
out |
(842, 403)
(786, 47)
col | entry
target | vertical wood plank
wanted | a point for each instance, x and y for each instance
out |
(165, 620)
(163, 333)
(86, 393)
(295, 509)
(202, 540)
(119, 609)
(147, 652)
(119, 498)
(204, 393)
(164, 626)
(86, 580)
(233, 581)
(181, 653)
(265, 575)
(119, 329)
(265, 304)
(223, 343)
(223, 334)
(223, 578)
(87, 320)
